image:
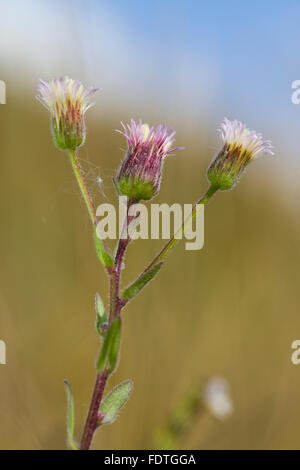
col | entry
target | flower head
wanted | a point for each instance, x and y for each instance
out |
(240, 147)
(140, 173)
(67, 100)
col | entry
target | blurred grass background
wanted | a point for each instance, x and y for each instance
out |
(231, 309)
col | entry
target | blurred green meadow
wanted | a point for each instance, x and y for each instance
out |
(230, 309)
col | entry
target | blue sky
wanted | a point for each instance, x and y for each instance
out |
(251, 45)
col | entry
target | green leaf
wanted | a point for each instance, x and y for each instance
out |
(114, 401)
(101, 315)
(114, 346)
(70, 417)
(102, 254)
(110, 347)
(140, 283)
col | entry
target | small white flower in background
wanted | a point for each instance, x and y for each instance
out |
(217, 399)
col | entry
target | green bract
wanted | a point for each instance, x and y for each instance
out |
(135, 189)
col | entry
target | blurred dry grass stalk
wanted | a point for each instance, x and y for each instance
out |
(229, 309)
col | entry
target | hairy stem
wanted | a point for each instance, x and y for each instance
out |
(86, 195)
(102, 376)
(82, 186)
(92, 418)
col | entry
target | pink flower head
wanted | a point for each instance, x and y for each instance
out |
(67, 100)
(140, 174)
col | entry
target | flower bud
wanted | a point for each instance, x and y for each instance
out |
(67, 100)
(240, 147)
(140, 173)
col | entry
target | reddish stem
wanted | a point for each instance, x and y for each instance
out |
(116, 305)
(92, 418)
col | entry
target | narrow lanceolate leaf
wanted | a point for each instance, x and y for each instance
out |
(113, 354)
(101, 321)
(140, 283)
(110, 347)
(70, 417)
(102, 254)
(114, 401)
